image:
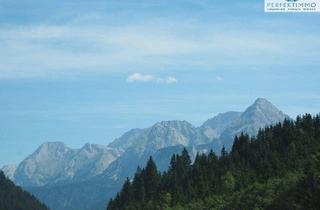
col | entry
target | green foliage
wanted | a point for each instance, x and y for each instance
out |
(279, 169)
(227, 182)
(13, 197)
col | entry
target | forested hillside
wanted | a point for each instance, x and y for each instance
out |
(278, 169)
(13, 197)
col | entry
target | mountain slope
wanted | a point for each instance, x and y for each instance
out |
(9, 170)
(139, 144)
(260, 114)
(213, 127)
(13, 197)
(91, 194)
(160, 135)
(54, 162)
(43, 166)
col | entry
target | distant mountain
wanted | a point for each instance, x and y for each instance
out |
(91, 194)
(160, 135)
(260, 114)
(64, 177)
(13, 197)
(54, 162)
(139, 144)
(9, 170)
(214, 127)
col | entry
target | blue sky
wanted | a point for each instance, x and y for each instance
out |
(87, 71)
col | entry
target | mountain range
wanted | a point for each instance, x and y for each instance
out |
(54, 162)
(63, 177)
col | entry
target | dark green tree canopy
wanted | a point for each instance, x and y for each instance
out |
(13, 197)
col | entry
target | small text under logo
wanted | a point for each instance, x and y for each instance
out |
(292, 6)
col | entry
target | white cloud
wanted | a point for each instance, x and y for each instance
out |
(138, 77)
(219, 78)
(61, 49)
(168, 80)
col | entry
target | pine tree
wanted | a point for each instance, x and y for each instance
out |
(138, 185)
(151, 179)
(13, 197)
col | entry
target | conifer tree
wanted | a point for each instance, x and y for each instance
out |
(13, 197)
(151, 179)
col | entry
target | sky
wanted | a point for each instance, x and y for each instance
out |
(88, 71)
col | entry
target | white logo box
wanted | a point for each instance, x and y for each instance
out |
(292, 5)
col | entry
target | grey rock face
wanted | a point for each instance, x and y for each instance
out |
(260, 114)
(160, 135)
(89, 161)
(139, 144)
(214, 127)
(54, 162)
(43, 166)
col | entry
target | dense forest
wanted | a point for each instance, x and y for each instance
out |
(277, 169)
(13, 197)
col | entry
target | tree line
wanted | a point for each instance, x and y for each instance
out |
(277, 169)
(13, 197)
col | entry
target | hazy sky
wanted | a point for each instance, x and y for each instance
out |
(87, 71)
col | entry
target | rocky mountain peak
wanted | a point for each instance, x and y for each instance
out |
(172, 123)
(260, 114)
(262, 102)
(52, 147)
(168, 127)
(263, 112)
